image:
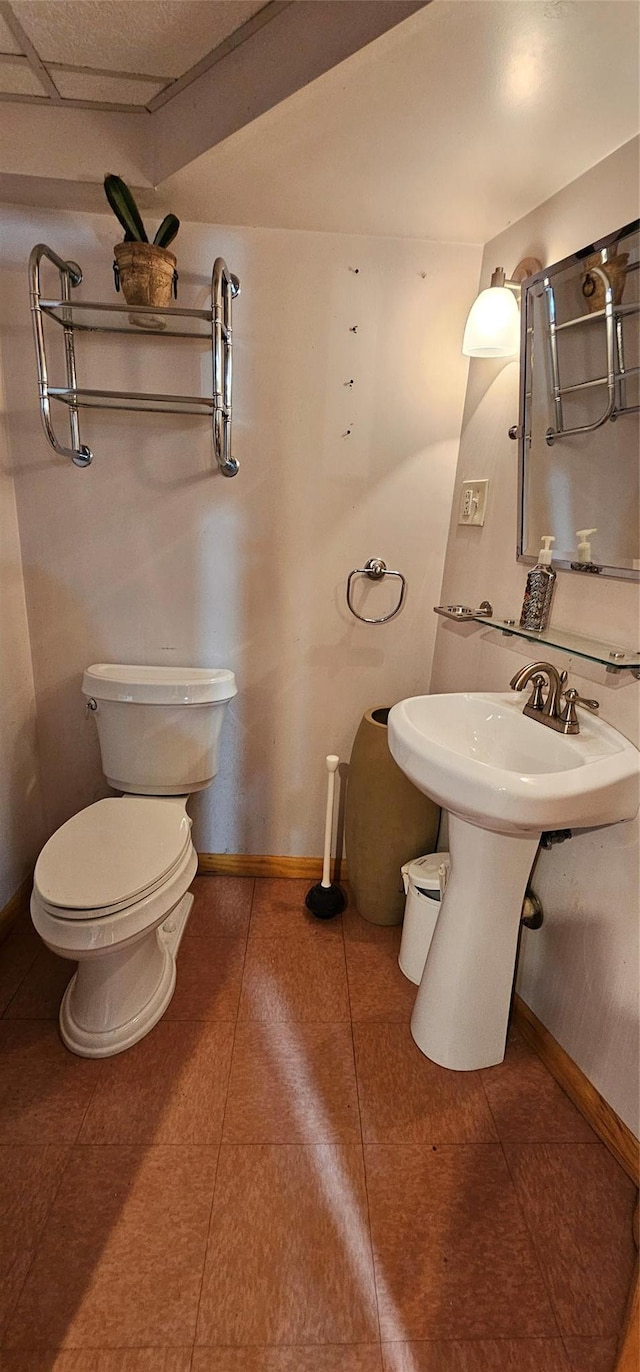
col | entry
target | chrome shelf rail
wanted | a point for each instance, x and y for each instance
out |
(224, 287)
(70, 275)
(213, 325)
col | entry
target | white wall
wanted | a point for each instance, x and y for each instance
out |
(579, 973)
(148, 556)
(20, 801)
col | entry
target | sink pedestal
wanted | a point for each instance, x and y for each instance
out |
(460, 1016)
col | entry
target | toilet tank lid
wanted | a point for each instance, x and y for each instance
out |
(158, 685)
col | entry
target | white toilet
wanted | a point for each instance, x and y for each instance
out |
(110, 887)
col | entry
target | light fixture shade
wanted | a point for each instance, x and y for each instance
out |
(493, 325)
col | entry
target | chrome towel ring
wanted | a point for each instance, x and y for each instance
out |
(376, 570)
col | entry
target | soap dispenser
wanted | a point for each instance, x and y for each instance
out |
(539, 589)
(584, 546)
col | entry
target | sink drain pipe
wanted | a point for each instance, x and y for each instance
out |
(532, 915)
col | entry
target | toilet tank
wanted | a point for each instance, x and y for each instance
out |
(158, 727)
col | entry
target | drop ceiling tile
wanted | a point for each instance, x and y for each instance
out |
(7, 41)
(163, 38)
(17, 78)
(119, 90)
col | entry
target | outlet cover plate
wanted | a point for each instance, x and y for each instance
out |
(473, 502)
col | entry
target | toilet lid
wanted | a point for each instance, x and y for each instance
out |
(112, 853)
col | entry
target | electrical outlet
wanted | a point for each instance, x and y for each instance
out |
(473, 502)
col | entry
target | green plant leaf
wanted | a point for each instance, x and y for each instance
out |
(167, 231)
(125, 209)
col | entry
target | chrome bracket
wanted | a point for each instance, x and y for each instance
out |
(465, 612)
(376, 570)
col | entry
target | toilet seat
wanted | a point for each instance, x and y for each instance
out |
(112, 855)
(96, 932)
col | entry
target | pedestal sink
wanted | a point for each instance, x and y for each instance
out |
(504, 779)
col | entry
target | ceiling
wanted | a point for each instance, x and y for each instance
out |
(452, 125)
(117, 54)
(443, 119)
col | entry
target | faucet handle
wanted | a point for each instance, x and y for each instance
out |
(536, 700)
(574, 698)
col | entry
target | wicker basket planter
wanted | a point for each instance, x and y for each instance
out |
(145, 272)
(388, 822)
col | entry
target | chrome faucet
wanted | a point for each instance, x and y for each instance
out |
(550, 711)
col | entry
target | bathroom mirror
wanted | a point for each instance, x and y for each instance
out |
(578, 431)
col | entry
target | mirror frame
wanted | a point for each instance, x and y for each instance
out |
(518, 432)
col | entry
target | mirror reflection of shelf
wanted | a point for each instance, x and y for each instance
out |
(579, 374)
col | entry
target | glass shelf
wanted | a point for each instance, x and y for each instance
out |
(168, 320)
(132, 400)
(609, 655)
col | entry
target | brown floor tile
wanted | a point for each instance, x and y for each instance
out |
(330, 1358)
(289, 1258)
(405, 1098)
(168, 1089)
(527, 1104)
(378, 990)
(120, 1262)
(208, 981)
(18, 952)
(43, 987)
(292, 1083)
(44, 1089)
(29, 1179)
(294, 979)
(481, 1355)
(279, 908)
(221, 907)
(592, 1355)
(578, 1205)
(453, 1258)
(96, 1360)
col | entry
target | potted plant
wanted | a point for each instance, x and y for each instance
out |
(145, 271)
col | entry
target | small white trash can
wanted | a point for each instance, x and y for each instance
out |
(424, 882)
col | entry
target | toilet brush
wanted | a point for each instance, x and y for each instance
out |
(326, 898)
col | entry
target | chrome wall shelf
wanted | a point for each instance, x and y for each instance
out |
(212, 325)
(610, 655)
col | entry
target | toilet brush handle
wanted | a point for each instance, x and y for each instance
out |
(332, 764)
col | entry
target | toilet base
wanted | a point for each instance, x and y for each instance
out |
(114, 1000)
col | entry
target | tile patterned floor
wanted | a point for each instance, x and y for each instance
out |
(276, 1180)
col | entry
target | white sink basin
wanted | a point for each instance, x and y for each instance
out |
(478, 755)
(504, 778)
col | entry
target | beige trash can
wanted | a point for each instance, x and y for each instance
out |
(388, 822)
(424, 881)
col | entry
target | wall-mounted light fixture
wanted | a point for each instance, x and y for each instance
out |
(493, 323)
